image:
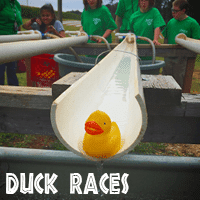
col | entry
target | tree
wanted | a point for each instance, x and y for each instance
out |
(112, 8)
(165, 9)
(194, 10)
(111, 1)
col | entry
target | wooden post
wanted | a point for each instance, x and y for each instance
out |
(187, 83)
(60, 10)
(28, 71)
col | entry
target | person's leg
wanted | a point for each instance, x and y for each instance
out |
(2, 72)
(11, 73)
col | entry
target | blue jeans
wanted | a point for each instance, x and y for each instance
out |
(11, 73)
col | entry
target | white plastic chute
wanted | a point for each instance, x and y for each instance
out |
(114, 86)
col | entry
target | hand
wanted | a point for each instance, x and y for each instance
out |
(33, 19)
(50, 29)
(94, 39)
(38, 21)
(99, 40)
(156, 42)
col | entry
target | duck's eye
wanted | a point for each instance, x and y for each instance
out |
(104, 123)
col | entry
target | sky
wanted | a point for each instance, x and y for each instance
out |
(67, 5)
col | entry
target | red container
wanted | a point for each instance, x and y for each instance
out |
(44, 70)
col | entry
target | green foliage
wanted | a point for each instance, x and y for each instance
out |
(27, 141)
(197, 63)
(30, 12)
(10, 140)
(195, 88)
(22, 79)
(70, 15)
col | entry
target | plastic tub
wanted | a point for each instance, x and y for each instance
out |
(68, 63)
(147, 67)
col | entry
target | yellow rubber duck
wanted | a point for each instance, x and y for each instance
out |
(102, 138)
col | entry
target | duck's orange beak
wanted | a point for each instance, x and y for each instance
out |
(93, 128)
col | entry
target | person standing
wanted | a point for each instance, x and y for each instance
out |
(180, 23)
(125, 9)
(146, 22)
(10, 22)
(96, 19)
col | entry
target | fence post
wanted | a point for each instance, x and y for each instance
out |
(60, 10)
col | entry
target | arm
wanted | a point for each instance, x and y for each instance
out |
(108, 23)
(156, 36)
(105, 35)
(28, 24)
(60, 34)
(120, 12)
(118, 21)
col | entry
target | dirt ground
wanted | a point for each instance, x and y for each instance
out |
(183, 149)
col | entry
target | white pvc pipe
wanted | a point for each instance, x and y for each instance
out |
(28, 32)
(73, 32)
(100, 37)
(114, 86)
(188, 43)
(152, 45)
(18, 50)
(122, 35)
(21, 37)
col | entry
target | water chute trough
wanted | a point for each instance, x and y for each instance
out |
(113, 86)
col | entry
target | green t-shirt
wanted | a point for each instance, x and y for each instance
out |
(124, 10)
(8, 9)
(97, 21)
(144, 24)
(188, 26)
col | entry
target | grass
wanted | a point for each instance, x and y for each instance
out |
(51, 142)
(30, 141)
(150, 148)
(195, 88)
